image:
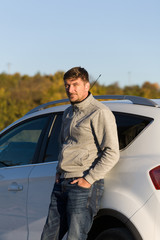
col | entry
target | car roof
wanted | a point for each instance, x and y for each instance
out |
(130, 99)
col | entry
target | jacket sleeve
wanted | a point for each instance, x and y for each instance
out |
(105, 131)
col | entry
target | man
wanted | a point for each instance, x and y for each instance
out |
(89, 149)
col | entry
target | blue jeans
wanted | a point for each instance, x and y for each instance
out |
(72, 209)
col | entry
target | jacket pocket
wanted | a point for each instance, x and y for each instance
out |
(74, 157)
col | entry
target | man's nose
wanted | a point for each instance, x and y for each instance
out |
(71, 89)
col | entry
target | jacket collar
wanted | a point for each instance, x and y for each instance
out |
(84, 104)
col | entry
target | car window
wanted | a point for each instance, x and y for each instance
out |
(129, 126)
(18, 146)
(53, 143)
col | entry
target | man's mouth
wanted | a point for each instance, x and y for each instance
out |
(72, 95)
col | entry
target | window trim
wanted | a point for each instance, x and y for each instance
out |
(47, 138)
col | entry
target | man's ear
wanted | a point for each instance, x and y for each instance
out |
(87, 86)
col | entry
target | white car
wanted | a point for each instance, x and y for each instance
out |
(130, 208)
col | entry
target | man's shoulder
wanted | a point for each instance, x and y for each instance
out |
(99, 109)
(99, 105)
(67, 110)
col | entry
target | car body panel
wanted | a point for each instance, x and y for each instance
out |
(41, 181)
(128, 187)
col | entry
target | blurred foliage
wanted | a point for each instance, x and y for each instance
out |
(19, 94)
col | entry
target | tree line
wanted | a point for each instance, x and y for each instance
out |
(20, 93)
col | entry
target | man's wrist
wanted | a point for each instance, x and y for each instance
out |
(89, 179)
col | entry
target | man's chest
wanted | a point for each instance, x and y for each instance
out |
(77, 126)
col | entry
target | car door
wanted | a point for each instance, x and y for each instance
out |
(18, 151)
(41, 181)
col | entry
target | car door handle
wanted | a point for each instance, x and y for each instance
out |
(15, 187)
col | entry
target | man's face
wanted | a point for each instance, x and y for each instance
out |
(76, 89)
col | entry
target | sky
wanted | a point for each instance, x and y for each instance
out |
(119, 39)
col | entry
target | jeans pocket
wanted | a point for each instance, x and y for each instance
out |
(96, 195)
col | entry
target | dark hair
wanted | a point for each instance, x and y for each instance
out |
(77, 72)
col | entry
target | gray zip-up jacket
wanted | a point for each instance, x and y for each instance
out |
(89, 142)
